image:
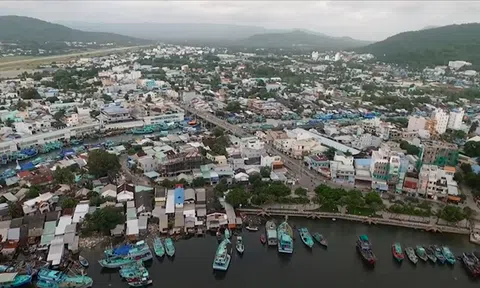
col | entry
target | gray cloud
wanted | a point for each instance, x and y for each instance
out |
(371, 20)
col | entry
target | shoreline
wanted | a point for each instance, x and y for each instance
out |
(357, 218)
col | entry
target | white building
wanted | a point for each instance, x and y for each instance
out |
(342, 169)
(416, 123)
(441, 120)
(54, 108)
(435, 182)
(455, 119)
(115, 114)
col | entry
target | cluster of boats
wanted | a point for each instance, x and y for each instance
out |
(130, 257)
(45, 278)
(431, 253)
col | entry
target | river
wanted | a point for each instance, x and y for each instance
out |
(337, 266)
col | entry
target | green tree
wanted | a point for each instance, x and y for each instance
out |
(255, 179)
(63, 176)
(68, 202)
(101, 164)
(59, 114)
(472, 148)
(233, 106)
(96, 200)
(300, 191)
(473, 127)
(33, 191)
(29, 93)
(9, 122)
(452, 213)
(167, 183)
(218, 132)
(103, 220)
(373, 198)
(15, 210)
(198, 182)
(330, 153)
(220, 188)
(237, 197)
(265, 171)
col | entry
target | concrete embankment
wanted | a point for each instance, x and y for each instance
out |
(364, 219)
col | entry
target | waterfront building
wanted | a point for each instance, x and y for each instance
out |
(164, 118)
(342, 170)
(440, 153)
(437, 183)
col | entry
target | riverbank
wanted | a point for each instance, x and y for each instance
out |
(430, 227)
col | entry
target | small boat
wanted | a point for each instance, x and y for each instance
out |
(411, 255)
(239, 245)
(223, 255)
(47, 278)
(227, 233)
(271, 233)
(306, 237)
(431, 254)
(11, 280)
(126, 254)
(139, 282)
(365, 249)
(438, 253)
(133, 270)
(158, 247)
(320, 239)
(170, 249)
(471, 264)
(448, 255)
(252, 229)
(263, 240)
(219, 235)
(421, 253)
(83, 261)
(397, 252)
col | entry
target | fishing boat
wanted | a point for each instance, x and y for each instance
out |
(57, 279)
(223, 255)
(227, 233)
(169, 247)
(320, 239)
(115, 258)
(158, 247)
(450, 258)
(411, 255)
(239, 245)
(271, 233)
(134, 270)
(83, 261)
(263, 240)
(285, 238)
(252, 229)
(471, 264)
(421, 253)
(219, 235)
(397, 252)
(365, 249)
(438, 253)
(139, 281)
(431, 254)
(306, 237)
(10, 280)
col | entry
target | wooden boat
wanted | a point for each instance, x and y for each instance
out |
(430, 254)
(320, 239)
(365, 249)
(227, 233)
(263, 239)
(411, 255)
(169, 247)
(471, 264)
(306, 237)
(252, 229)
(438, 253)
(448, 255)
(421, 253)
(158, 247)
(397, 252)
(239, 245)
(83, 261)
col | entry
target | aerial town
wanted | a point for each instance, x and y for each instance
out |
(168, 142)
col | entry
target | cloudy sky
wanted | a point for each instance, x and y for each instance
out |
(373, 20)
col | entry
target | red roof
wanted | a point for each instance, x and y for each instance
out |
(23, 174)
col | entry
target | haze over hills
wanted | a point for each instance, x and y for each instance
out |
(429, 47)
(33, 32)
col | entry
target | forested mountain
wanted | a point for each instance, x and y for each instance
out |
(430, 47)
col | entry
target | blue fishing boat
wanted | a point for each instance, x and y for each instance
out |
(228, 233)
(307, 239)
(438, 253)
(57, 279)
(10, 280)
(158, 247)
(448, 255)
(223, 255)
(285, 238)
(134, 270)
(115, 258)
(169, 247)
(364, 247)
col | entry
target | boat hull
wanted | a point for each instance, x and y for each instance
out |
(19, 280)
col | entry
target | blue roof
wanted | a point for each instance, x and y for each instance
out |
(27, 166)
(179, 195)
(363, 162)
(476, 169)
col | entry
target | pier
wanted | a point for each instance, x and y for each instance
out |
(430, 227)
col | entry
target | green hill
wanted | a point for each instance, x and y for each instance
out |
(300, 39)
(430, 47)
(34, 32)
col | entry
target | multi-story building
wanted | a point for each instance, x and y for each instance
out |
(441, 120)
(440, 153)
(436, 183)
(342, 170)
(54, 108)
(416, 123)
(319, 163)
(115, 114)
(388, 168)
(455, 119)
(180, 163)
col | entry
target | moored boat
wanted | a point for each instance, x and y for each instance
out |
(263, 240)
(57, 279)
(227, 233)
(239, 245)
(320, 239)
(139, 282)
(431, 254)
(252, 229)
(83, 261)
(169, 247)
(285, 238)
(133, 270)
(411, 255)
(449, 257)
(397, 252)
(421, 253)
(471, 264)
(219, 235)
(438, 253)
(158, 247)
(271, 233)
(306, 237)
(10, 280)
(223, 255)
(115, 258)
(365, 249)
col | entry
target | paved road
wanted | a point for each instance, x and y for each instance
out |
(131, 177)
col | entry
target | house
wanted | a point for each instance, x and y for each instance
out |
(82, 193)
(200, 206)
(109, 191)
(132, 230)
(125, 192)
(56, 251)
(35, 225)
(216, 220)
(144, 197)
(81, 211)
(146, 163)
(4, 226)
(40, 203)
(48, 235)
(63, 222)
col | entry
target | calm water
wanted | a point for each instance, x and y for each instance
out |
(339, 265)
